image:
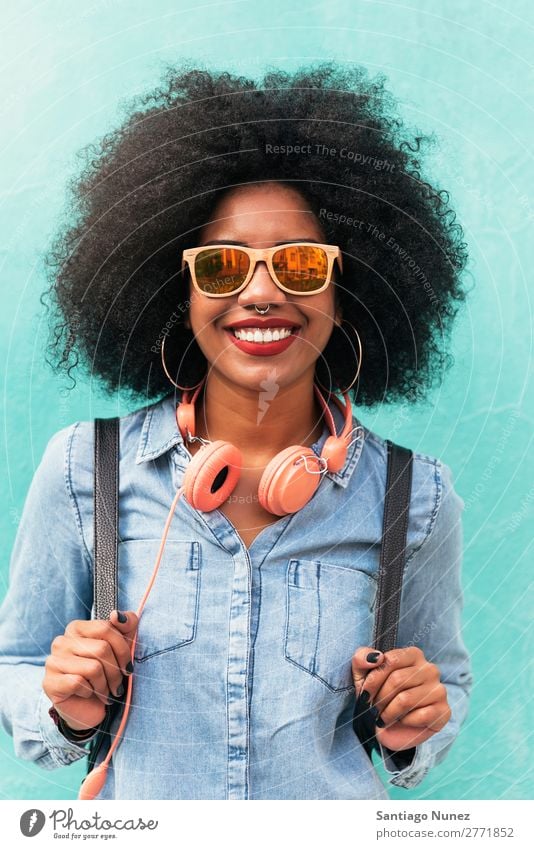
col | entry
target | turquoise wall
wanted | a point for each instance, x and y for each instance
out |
(461, 68)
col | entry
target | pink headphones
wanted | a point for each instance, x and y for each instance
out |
(287, 484)
(289, 480)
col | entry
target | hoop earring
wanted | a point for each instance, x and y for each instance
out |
(359, 363)
(168, 375)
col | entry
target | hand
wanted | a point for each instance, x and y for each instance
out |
(407, 691)
(86, 666)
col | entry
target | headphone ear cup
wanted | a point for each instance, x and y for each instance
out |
(212, 475)
(286, 486)
(335, 453)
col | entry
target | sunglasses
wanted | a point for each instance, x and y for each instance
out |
(298, 268)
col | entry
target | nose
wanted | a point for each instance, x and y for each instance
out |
(261, 288)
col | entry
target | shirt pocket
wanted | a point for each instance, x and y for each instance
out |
(170, 615)
(329, 615)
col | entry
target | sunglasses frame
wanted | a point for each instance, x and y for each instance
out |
(255, 255)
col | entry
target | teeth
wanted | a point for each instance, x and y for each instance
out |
(254, 334)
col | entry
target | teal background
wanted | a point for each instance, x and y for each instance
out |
(462, 69)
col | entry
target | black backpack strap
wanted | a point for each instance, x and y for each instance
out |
(390, 573)
(393, 551)
(105, 547)
(106, 537)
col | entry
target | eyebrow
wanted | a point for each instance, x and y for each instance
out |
(244, 244)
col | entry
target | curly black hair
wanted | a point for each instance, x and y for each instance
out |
(147, 188)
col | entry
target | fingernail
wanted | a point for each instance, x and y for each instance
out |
(120, 691)
(364, 696)
(129, 667)
(110, 700)
(122, 617)
(380, 722)
(373, 656)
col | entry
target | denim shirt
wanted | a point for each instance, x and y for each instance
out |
(242, 683)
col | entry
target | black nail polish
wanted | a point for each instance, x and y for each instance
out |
(364, 697)
(121, 617)
(380, 722)
(110, 700)
(372, 657)
(120, 691)
(129, 667)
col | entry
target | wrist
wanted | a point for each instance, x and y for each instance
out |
(68, 732)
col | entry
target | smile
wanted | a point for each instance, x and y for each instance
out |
(268, 342)
(256, 334)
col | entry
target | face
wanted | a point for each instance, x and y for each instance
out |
(261, 216)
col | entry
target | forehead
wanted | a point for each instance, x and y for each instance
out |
(262, 213)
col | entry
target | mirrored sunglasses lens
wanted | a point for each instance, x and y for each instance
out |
(301, 268)
(220, 271)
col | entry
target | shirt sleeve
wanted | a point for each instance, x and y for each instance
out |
(430, 617)
(50, 584)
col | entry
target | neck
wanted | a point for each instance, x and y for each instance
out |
(261, 423)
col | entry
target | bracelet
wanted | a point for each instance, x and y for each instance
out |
(70, 733)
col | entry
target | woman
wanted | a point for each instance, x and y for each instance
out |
(298, 203)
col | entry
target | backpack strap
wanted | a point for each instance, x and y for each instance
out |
(393, 550)
(390, 573)
(105, 547)
(106, 509)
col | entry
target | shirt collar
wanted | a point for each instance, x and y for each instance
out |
(160, 434)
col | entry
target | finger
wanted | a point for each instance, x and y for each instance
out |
(89, 669)
(100, 650)
(434, 716)
(128, 628)
(399, 737)
(59, 686)
(392, 660)
(364, 659)
(397, 681)
(101, 629)
(405, 702)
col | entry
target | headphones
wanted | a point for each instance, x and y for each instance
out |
(289, 480)
(286, 486)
